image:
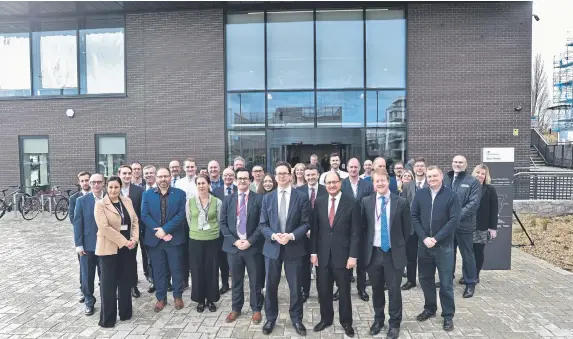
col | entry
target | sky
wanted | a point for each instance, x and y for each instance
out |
(551, 31)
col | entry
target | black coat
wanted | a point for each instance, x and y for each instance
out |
(488, 209)
(228, 224)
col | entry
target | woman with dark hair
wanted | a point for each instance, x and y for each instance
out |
(269, 184)
(203, 215)
(117, 236)
(486, 229)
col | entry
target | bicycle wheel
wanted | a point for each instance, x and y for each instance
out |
(2, 208)
(19, 202)
(30, 208)
(61, 211)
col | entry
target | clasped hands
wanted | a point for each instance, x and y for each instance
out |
(350, 263)
(131, 244)
(242, 244)
(430, 242)
(160, 233)
(282, 238)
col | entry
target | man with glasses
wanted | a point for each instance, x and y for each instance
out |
(258, 174)
(85, 236)
(284, 222)
(175, 169)
(137, 178)
(84, 183)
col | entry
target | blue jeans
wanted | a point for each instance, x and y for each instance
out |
(441, 258)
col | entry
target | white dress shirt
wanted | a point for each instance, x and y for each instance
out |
(148, 187)
(315, 191)
(343, 175)
(423, 182)
(378, 224)
(336, 202)
(188, 186)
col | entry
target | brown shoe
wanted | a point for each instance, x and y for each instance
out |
(232, 316)
(257, 317)
(179, 303)
(159, 305)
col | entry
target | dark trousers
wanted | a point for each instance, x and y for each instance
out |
(116, 275)
(293, 272)
(306, 274)
(326, 275)
(203, 259)
(80, 266)
(479, 255)
(254, 264)
(381, 270)
(412, 257)
(465, 241)
(223, 264)
(166, 258)
(89, 263)
(145, 262)
(441, 258)
(185, 260)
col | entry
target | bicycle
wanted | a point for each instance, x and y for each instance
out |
(32, 206)
(7, 200)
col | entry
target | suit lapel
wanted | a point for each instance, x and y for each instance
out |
(233, 219)
(170, 201)
(275, 207)
(291, 203)
(369, 201)
(107, 203)
(393, 203)
(339, 210)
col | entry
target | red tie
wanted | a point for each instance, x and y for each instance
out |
(331, 213)
(312, 197)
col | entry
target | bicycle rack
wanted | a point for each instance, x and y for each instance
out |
(15, 200)
(49, 196)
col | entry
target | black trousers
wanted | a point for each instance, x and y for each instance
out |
(116, 275)
(145, 263)
(203, 259)
(254, 264)
(326, 276)
(80, 266)
(412, 257)
(185, 260)
(381, 270)
(479, 255)
(465, 242)
(223, 263)
(306, 274)
(293, 271)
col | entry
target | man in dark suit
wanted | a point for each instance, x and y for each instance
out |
(409, 191)
(134, 193)
(85, 236)
(163, 213)
(335, 238)
(313, 191)
(221, 192)
(387, 219)
(357, 188)
(284, 222)
(137, 175)
(243, 244)
(84, 183)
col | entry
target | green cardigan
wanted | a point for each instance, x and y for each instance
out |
(213, 217)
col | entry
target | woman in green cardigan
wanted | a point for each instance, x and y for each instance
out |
(203, 212)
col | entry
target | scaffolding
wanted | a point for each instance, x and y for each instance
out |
(563, 92)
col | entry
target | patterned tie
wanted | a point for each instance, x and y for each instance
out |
(229, 190)
(242, 215)
(173, 182)
(312, 197)
(385, 240)
(283, 212)
(331, 213)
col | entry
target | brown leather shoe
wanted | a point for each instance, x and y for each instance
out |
(257, 317)
(159, 305)
(232, 316)
(179, 303)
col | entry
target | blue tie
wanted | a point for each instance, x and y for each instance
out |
(385, 240)
(229, 192)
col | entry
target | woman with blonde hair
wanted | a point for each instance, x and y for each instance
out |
(298, 175)
(486, 226)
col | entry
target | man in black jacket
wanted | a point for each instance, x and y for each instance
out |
(468, 190)
(435, 217)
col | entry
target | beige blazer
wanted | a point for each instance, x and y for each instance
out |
(108, 220)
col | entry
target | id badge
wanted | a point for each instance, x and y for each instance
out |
(124, 227)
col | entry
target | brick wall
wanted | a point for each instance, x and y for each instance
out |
(174, 106)
(469, 66)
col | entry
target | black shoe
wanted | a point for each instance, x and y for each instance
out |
(336, 295)
(393, 333)
(425, 315)
(82, 299)
(224, 289)
(376, 327)
(185, 285)
(135, 292)
(352, 279)
(363, 295)
(321, 326)
(300, 329)
(469, 291)
(268, 327)
(169, 287)
(151, 288)
(305, 297)
(200, 307)
(385, 287)
(90, 310)
(211, 306)
(462, 281)
(348, 330)
(148, 279)
(404, 274)
(448, 324)
(367, 282)
(408, 285)
(438, 284)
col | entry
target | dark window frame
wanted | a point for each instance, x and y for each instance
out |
(107, 135)
(21, 139)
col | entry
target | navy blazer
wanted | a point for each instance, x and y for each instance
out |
(365, 188)
(85, 227)
(298, 219)
(135, 194)
(151, 216)
(228, 223)
(219, 192)
(72, 206)
(320, 192)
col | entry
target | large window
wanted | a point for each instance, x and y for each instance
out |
(14, 60)
(386, 108)
(245, 110)
(34, 161)
(340, 109)
(110, 152)
(249, 145)
(386, 142)
(291, 109)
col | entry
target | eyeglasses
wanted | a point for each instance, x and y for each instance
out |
(242, 179)
(96, 182)
(228, 175)
(257, 171)
(332, 182)
(282, 174)
(163, 176)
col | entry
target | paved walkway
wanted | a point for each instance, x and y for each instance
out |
(39, 293)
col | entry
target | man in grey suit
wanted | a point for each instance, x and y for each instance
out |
(84, 183)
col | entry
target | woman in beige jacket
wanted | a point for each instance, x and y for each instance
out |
(118, 233)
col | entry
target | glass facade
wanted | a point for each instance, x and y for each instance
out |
(110, 153)
(314, 81)
(34, 161)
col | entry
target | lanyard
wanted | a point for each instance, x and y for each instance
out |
(378, 216)
(239, 208)
(120, 211)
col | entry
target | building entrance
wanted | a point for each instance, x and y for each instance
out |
(301, 153)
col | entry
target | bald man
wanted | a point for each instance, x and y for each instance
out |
(381, 163)
(367, 170)
(175, 169)
(215, 174)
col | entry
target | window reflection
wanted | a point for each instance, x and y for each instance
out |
(340, 109)
(245, 46)
(103, 50)
(111, 154)
(14, 63)
(245, 110)
(35, 162)
(386, 142)
(249, 145)
(291, 109)
(386, 108)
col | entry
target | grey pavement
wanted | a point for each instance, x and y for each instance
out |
(39, 299)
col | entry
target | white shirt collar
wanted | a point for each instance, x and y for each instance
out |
(246, 192)
(288, 190)
(315, 186)
(387, 195)
(336, 197)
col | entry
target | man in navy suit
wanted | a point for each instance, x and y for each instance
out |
(84, 182)
(85, 236)
(163, 213)
(243, 244)
(284, 222)
(381, 163)
(357, 188)
(313, 191)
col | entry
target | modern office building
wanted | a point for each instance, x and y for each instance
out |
(90, 85)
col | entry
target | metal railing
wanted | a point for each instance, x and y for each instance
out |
(543, 186)
(558, 154)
